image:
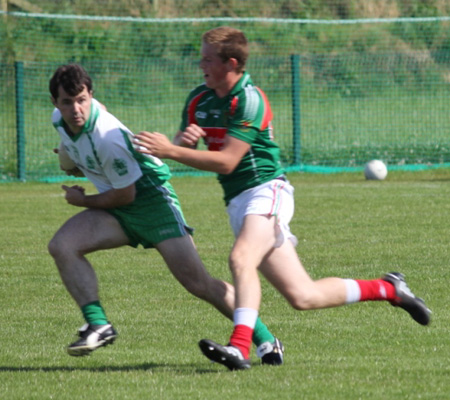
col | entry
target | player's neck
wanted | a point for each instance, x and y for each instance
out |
(71, 131)
(228, 85)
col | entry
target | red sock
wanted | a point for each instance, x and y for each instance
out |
(376, 290)
(242, 339)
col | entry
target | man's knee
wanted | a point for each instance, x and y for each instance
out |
(236, 262)
(54, 246)
(301, 301)
(61, 247)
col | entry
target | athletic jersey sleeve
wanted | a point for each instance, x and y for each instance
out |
(189, 109)
(117, 161)
(184, 116)
(252, 115)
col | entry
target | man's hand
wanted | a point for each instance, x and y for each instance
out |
(74, 195)
(74, 172)
(154, 143)
(190, 136)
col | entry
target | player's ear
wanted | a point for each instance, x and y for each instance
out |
(53, 100)
(232, 64)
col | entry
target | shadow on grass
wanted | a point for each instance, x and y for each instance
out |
(187, 368)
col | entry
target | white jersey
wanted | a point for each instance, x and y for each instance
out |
(103, 150)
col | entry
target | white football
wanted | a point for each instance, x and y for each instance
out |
(65, 161)
(375, 169)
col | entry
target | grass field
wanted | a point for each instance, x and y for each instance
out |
(346, 227)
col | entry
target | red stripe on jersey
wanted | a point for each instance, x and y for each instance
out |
(192, 106)
(268, 116)
(233, 105)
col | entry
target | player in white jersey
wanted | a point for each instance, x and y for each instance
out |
(136, 205)
(98, 153)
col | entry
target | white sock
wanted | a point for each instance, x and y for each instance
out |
(353, 291)
(245, 316)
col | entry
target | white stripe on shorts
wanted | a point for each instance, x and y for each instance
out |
(273, 198)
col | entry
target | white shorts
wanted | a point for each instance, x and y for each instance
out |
(273, 198)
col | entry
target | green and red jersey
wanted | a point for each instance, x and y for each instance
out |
(245, 114)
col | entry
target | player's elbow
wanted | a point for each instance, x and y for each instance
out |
(127, 200)
(125, 196)
(129, 197)
(226, 168)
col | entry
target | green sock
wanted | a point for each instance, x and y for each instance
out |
(261, 333)
(94, 314)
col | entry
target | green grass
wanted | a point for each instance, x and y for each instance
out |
(346, 227)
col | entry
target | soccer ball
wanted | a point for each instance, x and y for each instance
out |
(65, 161)
(376, 170)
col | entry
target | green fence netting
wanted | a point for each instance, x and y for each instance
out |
(343, 92)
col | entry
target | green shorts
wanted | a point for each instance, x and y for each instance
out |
(155, 215)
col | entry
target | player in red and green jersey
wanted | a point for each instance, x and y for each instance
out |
(234, 118)
(136, 205)
(244, 114)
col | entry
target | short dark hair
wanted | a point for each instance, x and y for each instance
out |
(230, 43)
(72, 77)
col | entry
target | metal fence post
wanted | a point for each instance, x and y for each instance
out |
(296, 128)
(20, 120)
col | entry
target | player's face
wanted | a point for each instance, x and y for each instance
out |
(75, 110)
(214, 69)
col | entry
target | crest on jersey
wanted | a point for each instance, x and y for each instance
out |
(90, 162)
(120, 166)
(200, 114)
